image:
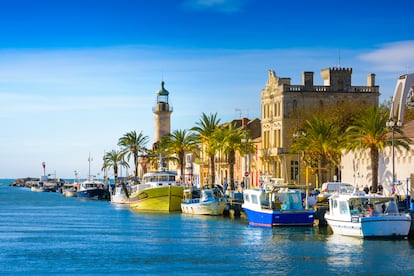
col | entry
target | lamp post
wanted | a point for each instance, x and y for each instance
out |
(246, 170)
(392, 124)
(297, 135)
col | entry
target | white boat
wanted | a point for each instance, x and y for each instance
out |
(37, 187)
(69, 189)
(121, 192)
(329, 188)
(366, 216)
(211, 202)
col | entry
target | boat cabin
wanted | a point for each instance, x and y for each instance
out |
(284, 199)
(366, 206)
(158, 179)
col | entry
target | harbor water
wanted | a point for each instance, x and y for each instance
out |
(46, 233)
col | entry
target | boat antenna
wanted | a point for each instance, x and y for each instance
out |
(90, 159)
(161, 164)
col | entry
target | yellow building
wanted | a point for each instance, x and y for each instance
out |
(283, 109)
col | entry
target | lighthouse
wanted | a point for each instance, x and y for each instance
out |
(162, 114)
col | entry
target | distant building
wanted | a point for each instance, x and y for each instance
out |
(283, 108)
(247, 167)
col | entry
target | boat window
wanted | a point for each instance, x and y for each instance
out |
(334, 204)
(392, 208)
(255, 199)
(296, 201)
(343, 208)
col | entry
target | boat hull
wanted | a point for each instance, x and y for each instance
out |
(119, 199)
(91, 194)
(69, 193)
(273, 218)
(37, 189)
(214, 208)
(370, 227)
(164, 199)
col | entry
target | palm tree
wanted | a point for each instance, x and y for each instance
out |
(205, 134)
(133, 144)
(228, 140)
(321, 145)
(369, 132)
(113, 159)
(180, 142)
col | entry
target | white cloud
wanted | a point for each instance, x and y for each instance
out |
(392, 57)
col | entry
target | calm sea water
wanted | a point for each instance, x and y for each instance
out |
(45, 233)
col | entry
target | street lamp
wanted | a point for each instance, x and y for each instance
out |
(246, 171)
(297, 135)
(392, 124)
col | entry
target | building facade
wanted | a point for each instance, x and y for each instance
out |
(356, 167)
(284, 108)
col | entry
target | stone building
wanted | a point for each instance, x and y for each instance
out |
(246, 167)
(284, 107)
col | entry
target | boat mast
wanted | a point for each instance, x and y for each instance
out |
(89, 171)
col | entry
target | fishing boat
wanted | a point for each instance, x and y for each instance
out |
(158, 191)
(211, 202)
(91, 189)
(366, 216)
(69, 189)
(120, 193)
(276, 205)
(44, 185)
(37, 187)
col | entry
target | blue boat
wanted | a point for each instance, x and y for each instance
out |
(91, 189)
(277, 206)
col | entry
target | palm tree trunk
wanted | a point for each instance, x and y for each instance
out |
(116, 174)
(324, 170)
(124, 189)
(212, 166)
(181, 161)
(231, 169)
(374, 168)
(136, 168)
(319, 184)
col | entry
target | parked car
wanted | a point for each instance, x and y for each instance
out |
(328, 188)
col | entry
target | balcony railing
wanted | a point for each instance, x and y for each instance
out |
(322, 88)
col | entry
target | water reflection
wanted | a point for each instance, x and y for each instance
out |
(343, 251)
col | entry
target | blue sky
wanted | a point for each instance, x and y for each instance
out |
(75, 75)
